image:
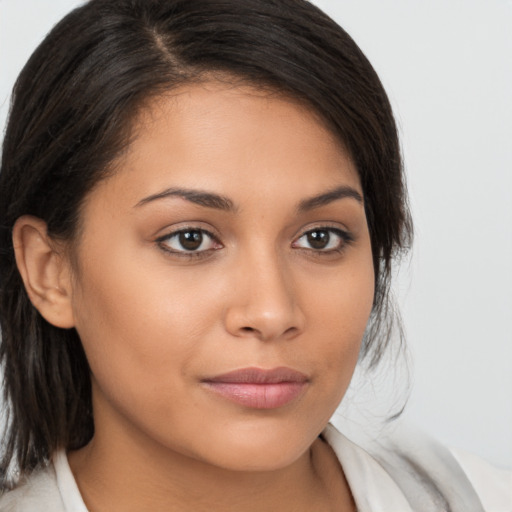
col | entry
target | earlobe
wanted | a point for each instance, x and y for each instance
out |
(45, 272)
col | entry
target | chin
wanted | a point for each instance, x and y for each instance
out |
(264, 448)
(263, 460)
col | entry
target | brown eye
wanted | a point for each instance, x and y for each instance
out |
(191, 241)
(323, 240)
(318, 239)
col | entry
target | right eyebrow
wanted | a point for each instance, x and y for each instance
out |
(330, 196)
(200, 197)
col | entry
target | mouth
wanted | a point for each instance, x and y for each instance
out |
(258, 388)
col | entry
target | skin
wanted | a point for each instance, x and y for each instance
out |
(155, 320)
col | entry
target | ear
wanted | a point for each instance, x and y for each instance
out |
(45, 272)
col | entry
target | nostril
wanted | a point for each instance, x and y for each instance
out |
(248, 329)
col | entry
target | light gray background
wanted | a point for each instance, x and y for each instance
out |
(447, 66)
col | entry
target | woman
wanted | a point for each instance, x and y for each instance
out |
(200, 204)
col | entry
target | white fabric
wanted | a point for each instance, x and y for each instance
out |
(374, 489)
(493, 485)
(66, 484)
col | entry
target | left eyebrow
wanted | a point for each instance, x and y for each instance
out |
(328, 197)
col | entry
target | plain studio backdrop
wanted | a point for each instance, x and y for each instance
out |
(447, 67)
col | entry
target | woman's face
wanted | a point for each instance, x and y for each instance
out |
(224, 279)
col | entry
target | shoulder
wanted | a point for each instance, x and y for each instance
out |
(37, 492)
(410, 466)
(493, 485)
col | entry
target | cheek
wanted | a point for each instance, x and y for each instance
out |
(342, 301)
(338, 311)
(137, 322)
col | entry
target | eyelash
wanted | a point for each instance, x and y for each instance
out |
(345, 239)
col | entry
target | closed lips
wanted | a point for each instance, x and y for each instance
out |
(260, 376)
(259, 389)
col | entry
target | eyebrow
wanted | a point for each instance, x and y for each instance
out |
(200, 197)
(328, 197)
(218, 202)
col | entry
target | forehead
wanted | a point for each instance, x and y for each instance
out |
(231, 139)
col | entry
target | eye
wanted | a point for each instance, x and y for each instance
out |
(324, 239)
(189, 241)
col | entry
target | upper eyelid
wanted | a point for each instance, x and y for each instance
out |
(170, 232)
(325, 225)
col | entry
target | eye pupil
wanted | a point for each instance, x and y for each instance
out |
(318, 239)
(191, 240)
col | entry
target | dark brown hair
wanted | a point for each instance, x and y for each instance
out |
(70, 118)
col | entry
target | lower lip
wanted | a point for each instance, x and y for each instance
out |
(258, 396)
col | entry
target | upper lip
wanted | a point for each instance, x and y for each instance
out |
(260, 376)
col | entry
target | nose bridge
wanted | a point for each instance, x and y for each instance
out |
(264, 302)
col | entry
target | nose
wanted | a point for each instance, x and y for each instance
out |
(264, 303)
